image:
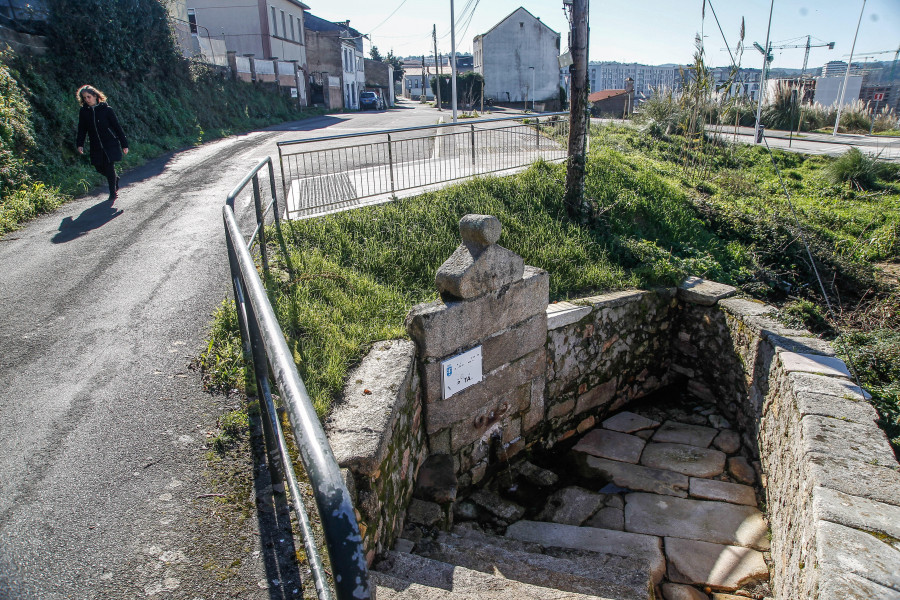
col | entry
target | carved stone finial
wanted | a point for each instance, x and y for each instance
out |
(478, 265)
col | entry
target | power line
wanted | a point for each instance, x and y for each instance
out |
(388, 17)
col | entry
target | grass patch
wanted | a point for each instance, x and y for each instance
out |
(661, 209)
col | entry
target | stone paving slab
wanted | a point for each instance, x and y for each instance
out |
(628, 422)
(719, 566)
(608, 517)
(793, 362)
(571, 505)
(711, 489)
(635, 477)
(643, 549)
(682, 433)
(613, 445)
(497, 506)
(858, 552)
(860, 513)
(681, 458)
(716, 522)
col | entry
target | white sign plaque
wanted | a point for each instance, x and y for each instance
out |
(461, 371)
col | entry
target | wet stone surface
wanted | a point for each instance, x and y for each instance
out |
(671, 469)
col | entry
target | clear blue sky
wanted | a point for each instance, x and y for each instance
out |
(645, 31)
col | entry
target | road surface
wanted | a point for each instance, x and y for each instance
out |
(102, 436)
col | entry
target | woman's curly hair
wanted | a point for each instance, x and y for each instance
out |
(101, 97)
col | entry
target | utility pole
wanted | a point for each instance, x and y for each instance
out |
(578, 115)
(437, 68)
(762, 76)
(424, 98)
(453, 61)
(837, 120)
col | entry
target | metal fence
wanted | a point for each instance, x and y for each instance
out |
(332, 173)
(266, 349)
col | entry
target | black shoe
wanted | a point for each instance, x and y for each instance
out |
(117, 183)
(112, 197)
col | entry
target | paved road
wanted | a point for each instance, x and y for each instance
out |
(887, 148)
(102, 453)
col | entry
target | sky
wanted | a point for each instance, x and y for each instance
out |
(643, 31)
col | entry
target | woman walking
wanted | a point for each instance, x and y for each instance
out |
(108, 141)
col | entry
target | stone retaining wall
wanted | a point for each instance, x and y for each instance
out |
(831, 479)
(377, 437)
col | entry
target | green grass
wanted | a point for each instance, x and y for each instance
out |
(662, 209)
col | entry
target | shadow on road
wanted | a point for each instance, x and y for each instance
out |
(276, 537)
(307, 124)
(94, 217)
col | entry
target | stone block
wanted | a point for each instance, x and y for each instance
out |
(535, 414)
(597, 396)
(361, 427)
(719, 566)
(437, 479)
(859, 513)
(854, 441)
(800, 344)
(514, 343)
(608, 517)
(740, 468)
(563, 314)
(633, 477)
(716, 522)
(682, 433)
(465, 405)
(424, 513)
(535, 475)
(837, 583)
(710, 489)
(857, 411)
(703, 292)
(643, 549)
(497, 415)
(472, 271)
(628, 422)
(744, 308)
(858, 552)
(612, 445)
(681, 458)
(677, 591)
(561, 409)
(497, 506)
(829, 386)
(792, 362)
(853, 477)
(441, 330)
(728, 441)
(571, 505)
(615, 299)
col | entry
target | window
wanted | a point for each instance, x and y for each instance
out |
(283, 25)
(293, 37)
(192, 20)
(274, 23)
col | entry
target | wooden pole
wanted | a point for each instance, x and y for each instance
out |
(578, 114)
(437, 68)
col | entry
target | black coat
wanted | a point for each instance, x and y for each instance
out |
(102, 127)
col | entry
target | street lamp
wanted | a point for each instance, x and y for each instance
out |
(532, 89)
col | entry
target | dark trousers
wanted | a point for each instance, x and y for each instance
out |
(108, 170)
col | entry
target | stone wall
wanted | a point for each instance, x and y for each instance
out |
(831, 479)
(378, 440)
(602, 353)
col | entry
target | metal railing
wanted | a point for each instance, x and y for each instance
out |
(330, 173)
(265, 347)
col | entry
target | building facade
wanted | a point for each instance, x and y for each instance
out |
(519, 60)
(607, 75)
(336, 50)
(828, 89)
(264, 28)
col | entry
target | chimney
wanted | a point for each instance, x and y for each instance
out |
(629, 85)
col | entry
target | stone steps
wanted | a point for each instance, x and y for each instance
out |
(404, 576)
(583, 572)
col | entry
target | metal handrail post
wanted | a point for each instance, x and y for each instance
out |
(390, 161)
(538, 134)
(284, 184)
(238, 298)
(260, 225)
(473, 143)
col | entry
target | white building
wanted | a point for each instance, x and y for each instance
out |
(264, 28)
(519, 60)
(828, 89)
(607, 75)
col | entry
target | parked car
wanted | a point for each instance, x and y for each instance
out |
(370, 100)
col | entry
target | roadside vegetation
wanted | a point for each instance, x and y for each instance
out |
(164, 101)
(664, 207)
